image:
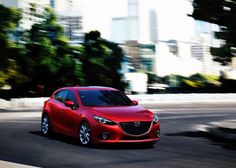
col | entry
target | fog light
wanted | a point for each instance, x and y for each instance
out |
(105, 135)
(158, 134)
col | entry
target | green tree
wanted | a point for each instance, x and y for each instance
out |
(49, 61)
(101, 61)
(10, 72)
(222, 13)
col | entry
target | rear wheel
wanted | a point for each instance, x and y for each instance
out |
(45, 125)
(84, 134)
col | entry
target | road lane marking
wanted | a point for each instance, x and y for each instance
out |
(200, 127)
(5, 164)
(18, 115)
(192, 109)
(191, 116)
(20, 121)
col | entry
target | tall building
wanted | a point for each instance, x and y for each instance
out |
(31, 10)
(72, 27)
(200, 48)
(69, 16)
(127, 30)
(133, 20)
(52, 3)
(61, 6)
(141, 56)
(153, 26)
(147, 54)
(197, 51)
(132, 50)
(202, 53)
(119, 29)
(140, 24)
(174, 57)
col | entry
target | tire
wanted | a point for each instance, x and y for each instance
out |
(84, 134)
(45, 125)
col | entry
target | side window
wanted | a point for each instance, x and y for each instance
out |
(61, 96)
(71, 96)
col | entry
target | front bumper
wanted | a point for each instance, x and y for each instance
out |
(115, 134)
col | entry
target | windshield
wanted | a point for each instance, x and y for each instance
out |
(104, 98)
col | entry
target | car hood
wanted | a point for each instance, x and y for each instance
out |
(123, 114)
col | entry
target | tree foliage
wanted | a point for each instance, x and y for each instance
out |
(101, 61)
(48, 61)
(9, 49)
(223, 13)
(40, 60)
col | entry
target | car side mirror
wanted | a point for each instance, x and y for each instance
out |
(69, 103)
(135, 102)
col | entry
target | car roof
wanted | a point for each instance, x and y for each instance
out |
(88, 88)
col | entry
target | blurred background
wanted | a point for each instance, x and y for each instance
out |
(147, 48)
(138, 46)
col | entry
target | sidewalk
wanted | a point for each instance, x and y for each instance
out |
(225, 129)
(16, 104)
(143, 99)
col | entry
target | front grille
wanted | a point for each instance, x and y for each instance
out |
(134, 128)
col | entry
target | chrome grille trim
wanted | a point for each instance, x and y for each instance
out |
(139, 134)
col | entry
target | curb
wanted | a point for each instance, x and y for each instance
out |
(144, 99)
(225, 129)
(216, 131)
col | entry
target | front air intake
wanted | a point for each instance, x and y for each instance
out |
(136, 128)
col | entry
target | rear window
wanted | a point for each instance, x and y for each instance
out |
(104, 98)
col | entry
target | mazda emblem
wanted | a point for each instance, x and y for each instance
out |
(137, 124)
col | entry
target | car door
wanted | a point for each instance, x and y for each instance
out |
(58, 109)
(70, 115)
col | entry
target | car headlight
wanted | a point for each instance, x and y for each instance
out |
(156, 118)
(104, 120)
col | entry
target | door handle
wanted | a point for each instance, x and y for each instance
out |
(63, 111)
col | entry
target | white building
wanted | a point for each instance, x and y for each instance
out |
(176, 60)
(119, 29)
(133, 20)
(69, 16)
(153, 23)
(68, 7)
(61, 6)
(31, 10)
(72, 25)
(140, 24)
(128, 30)
(203, 40)
(230, 72)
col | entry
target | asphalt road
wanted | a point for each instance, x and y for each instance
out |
(180, 145)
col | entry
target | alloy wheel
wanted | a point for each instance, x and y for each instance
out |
(84, 134)
(45, 125)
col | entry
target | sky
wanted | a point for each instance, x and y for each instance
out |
(99, 13)
(173, 22)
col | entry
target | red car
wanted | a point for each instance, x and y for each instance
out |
(99, 115)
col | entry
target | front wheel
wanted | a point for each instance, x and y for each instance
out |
(84, 134)
(45, 125)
